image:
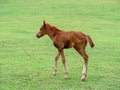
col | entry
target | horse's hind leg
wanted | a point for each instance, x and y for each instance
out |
(56, 63)
(84, 71)
(82, 52)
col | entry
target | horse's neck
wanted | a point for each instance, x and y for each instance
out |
(52, 32)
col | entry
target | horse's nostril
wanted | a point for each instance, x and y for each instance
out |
(37, 36)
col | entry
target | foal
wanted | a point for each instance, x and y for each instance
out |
(62, 40)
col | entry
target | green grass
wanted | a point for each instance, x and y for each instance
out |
(26, 63)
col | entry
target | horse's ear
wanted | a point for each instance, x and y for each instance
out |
(44, 23)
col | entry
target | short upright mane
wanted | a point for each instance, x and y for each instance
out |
(54, 28)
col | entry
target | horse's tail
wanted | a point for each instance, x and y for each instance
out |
(88, 38)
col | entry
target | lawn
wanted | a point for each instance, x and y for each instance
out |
(26, 63)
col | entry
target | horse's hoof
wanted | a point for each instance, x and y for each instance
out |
(65, 77)
(54, 74)
(83, 79)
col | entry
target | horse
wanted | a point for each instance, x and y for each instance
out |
(67, 39)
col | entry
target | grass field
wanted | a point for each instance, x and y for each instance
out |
(26, 63)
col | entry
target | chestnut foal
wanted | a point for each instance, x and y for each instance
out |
(62, 40)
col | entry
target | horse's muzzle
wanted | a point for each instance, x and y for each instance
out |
(37, 36)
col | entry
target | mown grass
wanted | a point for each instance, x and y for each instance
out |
(26, 63)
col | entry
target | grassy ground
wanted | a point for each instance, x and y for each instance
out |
(26, 63)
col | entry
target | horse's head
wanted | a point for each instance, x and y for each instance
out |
(42, 31)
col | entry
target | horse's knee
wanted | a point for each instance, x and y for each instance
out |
(56, 59)
(63, 61)
(86, 58)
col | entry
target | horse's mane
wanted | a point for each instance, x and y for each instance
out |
(55, 28)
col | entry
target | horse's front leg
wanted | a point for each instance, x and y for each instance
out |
(56, 63)
(64, 63)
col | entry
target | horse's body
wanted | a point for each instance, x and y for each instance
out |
(62, 40)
